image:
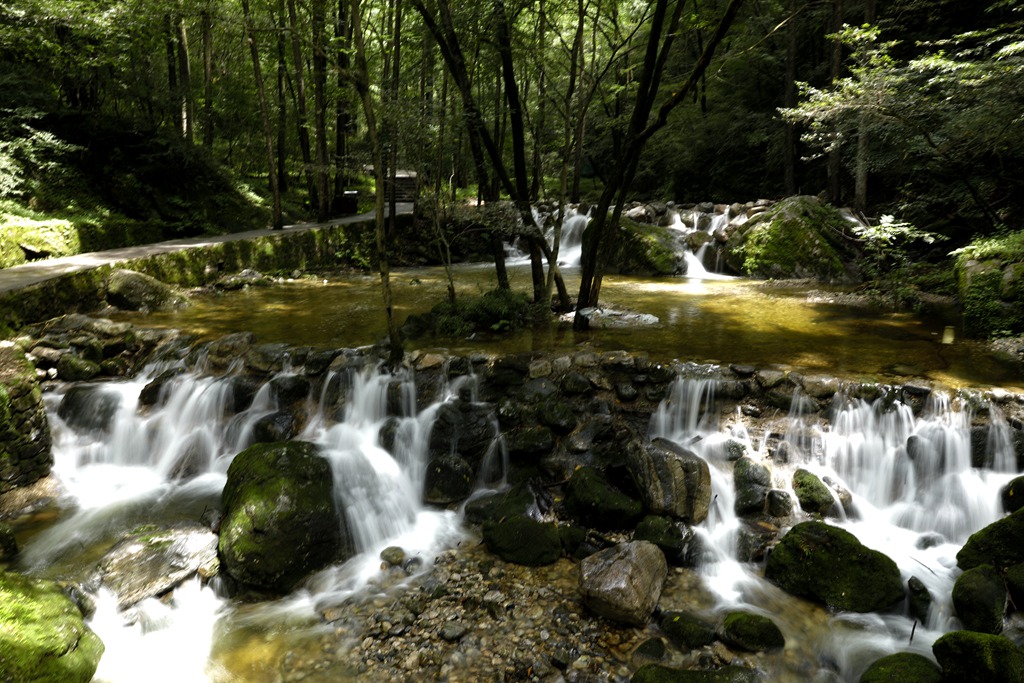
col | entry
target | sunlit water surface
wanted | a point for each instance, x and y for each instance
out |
(723, 320)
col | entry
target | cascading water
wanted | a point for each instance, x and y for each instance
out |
(122, 465)
(914, 495)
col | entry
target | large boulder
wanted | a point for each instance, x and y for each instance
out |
(640, 249)
(824, 563)
(979, 596)
(133, 291)
(1000, 544)
(990, 285)
(751, 632)
(902, 667)
(523, 540)
(280, 520)
(149, 561)
(592, 500)
(672, 480)
(796, 238)
(43, 637)
(624, 583)
(969, 657)
(25, 455)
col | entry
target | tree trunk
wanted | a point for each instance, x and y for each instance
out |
(392, 122)
(835, 156)
(789, 154)
(301, 115)
(344, 121)
(185, 82)
(170, 36)
(860, 190)
(655, 59)
(362, 84)
(268, 132)
(207, 24)
(282, 110)
(318, 17)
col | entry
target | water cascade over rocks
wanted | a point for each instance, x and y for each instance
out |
(634, 514)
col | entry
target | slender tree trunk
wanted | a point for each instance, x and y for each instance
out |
(362, 84)
(301, 114)
(207, 29)
(170, 35)
(185, 83)
(860, 191)
(282, 109)
(640, 131)
(835, 156)
(539, 128)
(344, 121)
(268, 131)
(392, 123)
(789, 154)
(318, 12)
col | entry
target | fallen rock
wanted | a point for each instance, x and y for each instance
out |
(624, 583)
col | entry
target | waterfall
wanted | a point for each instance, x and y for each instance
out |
(123, 464)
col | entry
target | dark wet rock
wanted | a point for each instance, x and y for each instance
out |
(969, 657)
(268, 358)
(192, 460)
(575, 383)
(290, 390)
(557, 414)
(73, 368)
(280, 521)
(779, 503)
(222, 353)
(243, 279)
(448, 479)
(89, 407)
(151, 561)
(751, 632)
(979, 596)
(1014, 577)
(133, 291)
(686, 631)
(243, 391)
(672, 480)
(277, 426)
(153, 393)
(656, 673)
(530, 442)
(1012, 495)
(814, 497)
(1000, 544)
(508, 371)
(523, 498)
(523, 540)
(902, 667)
(465, 428)
(919, 599)
(8, 543)
(827, 564)
(592, 500)
(681, 545)
(624, 583)
(652, 648)
(753, 539)
(626, 392)
(752, 481)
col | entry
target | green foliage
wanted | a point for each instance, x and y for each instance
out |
(497, 311)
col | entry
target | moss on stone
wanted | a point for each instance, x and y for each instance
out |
(968, 657)
(751, 632)
(43, 637)
(903, 667)
(642, 249)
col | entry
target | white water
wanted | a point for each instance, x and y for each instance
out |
(117, 478)
(917, 511)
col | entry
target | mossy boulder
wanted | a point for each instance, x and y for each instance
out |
(969, 657)
(1000, 544)
(979, 596)
(1012, 495)
(681, 545)
(592, 500)
(824, 563)
(641, 249)
(902, 667)
(280, 520)
(43, 637)
(799, 237)
(751, 632)
(523, 540)
(133, 291)
(27, 238)
(686, 631)
(25, 454)
(814, 497)
(656, 673)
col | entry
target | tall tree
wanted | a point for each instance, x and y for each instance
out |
(318, 19)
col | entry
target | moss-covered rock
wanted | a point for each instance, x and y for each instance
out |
(592, 500)
(686, 631)
(979, 596)
(280, 521)
(990, 285)
(1012, 495)
(821, 562)
(25, 454)
(903, 667)
(523, 540)
(133, 291)
(814, 497)
(43, 637)
(751, 632)
(800, 237)
(1000, 544)
(679, 542)
(969, 657)
(641, 249)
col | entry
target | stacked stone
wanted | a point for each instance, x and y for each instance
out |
(25, 454)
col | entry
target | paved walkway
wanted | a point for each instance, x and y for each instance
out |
(32, 273)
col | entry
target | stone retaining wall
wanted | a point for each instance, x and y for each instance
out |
(25, 455)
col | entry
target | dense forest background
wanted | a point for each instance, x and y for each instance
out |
(133, 120)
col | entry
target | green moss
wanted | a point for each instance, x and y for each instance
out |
(642, 249)
(795, 238)
(903, 667)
